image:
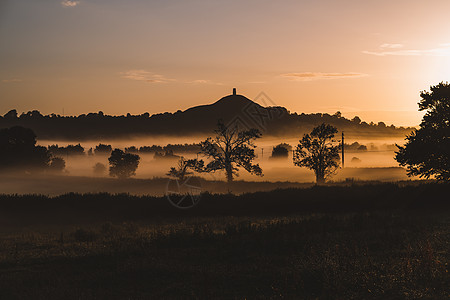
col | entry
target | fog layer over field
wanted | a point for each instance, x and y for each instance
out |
(379, 154)
(375, 163)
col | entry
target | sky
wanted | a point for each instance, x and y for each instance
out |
(367, 58)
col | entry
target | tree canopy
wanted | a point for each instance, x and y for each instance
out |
(123, 165)
(316, 151)
(281, 151)
(231, 149)
(427, 149)
(18, 150)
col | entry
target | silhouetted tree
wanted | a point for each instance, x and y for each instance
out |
(183, 168)
(123, 165)
(57, 164)
(231, 149)
(69, 150)
(337, 114)
(356, 120)
(427, 149)
(11, 115)
(281, 151)
(18, 150)
(362, 148)
(99, 169)
(75, 149)
(381, 124)
(132, 149)
(103, 149)
(316, 151)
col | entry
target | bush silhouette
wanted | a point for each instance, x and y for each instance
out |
(57, 164)
(356, 160)
(281, 151)
(99, 169)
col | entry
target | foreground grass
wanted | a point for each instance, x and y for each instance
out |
(310, 247)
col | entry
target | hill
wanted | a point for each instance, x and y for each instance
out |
(199, 120)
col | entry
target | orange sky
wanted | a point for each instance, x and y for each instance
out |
(365, 58)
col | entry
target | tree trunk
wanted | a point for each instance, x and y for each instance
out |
(229, 172)
(320, 179)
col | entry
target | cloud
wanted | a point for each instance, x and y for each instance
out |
(204, 81)
(257, 82)
(70, 3)
(12, 80)
(150, 77)
(143, 75)
(308, 76)
(443, 50)
(199, 81)
(391, 46)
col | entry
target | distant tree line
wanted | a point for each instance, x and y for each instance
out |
(65, 151)
(106, 149)
(279, 151)
(98, 125)
(355, 147)
(174, 148)
(20, 153)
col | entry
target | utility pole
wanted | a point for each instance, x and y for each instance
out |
(262, 153)
(343, 149)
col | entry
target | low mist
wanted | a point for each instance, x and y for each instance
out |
(375, 163)
(379, 154)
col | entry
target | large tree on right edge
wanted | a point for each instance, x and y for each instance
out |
(427, 149)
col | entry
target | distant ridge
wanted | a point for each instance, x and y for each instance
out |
(234, 109)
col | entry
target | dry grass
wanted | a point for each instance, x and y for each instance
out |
(382, 251)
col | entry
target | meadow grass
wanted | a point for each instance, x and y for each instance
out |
(370, 241)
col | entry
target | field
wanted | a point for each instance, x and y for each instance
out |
(57, 184)
(372, 240)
